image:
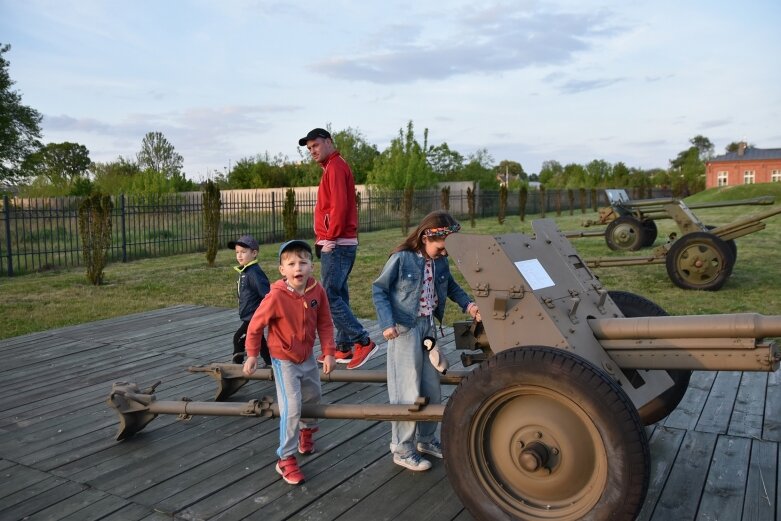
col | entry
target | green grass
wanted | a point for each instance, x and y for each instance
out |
(42, 301)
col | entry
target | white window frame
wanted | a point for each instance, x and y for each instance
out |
(749, 177)
(775, 176)
(722, 178)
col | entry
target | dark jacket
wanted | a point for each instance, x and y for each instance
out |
(252, 285)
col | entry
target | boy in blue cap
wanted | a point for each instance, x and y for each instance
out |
(252, 285)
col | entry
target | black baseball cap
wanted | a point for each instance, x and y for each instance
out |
(314, 134)
(248, 241)
(294, 244)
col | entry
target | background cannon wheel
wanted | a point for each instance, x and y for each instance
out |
(537, 433)
(632, 305)
(733, 247)
(651, 232)
(625, 233)
(699, 260)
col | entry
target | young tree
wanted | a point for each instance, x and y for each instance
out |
(19, 126)
(211, 220)
(159, 155)
(403, 164)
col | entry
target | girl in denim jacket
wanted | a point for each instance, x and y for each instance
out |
(408, 295)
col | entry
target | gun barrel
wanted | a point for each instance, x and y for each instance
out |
(735, 325)
(764, 199)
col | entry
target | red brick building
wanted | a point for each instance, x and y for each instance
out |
(748, 165)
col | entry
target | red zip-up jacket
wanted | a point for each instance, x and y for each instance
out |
(292, 320)
(336, 215)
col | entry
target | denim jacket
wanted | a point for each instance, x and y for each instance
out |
(396, 292)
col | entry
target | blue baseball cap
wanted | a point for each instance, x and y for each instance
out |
(248, 241)
(295, 243)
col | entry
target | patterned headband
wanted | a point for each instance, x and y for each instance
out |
(442, 231)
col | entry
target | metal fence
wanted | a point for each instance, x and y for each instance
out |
(41, 234)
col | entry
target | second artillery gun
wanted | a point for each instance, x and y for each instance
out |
(548, 420)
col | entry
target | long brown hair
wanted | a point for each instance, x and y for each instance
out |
(414, 241)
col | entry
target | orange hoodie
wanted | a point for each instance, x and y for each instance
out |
(292, 320)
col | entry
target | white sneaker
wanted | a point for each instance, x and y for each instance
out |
(413, 461)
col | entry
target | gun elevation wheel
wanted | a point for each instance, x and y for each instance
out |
(538, 433)
(699, 260)
(632, 306)
(625, 233)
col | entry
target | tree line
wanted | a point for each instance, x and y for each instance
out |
(408, 163)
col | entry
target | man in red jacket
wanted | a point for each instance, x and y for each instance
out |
(336, 242)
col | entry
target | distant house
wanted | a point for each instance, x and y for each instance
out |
(747, 165)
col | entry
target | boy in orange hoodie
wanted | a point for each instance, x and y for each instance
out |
(295, 309)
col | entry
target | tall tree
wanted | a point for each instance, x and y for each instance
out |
(59, 164)
(358, 152)
(549, 170)
(159, 155)
(510, 170)
(445, 162)
(19, 126)
(704, 146)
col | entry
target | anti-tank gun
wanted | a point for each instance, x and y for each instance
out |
(550, 423)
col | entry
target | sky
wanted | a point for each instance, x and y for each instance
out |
(529, 81)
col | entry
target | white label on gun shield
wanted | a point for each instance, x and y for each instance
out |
(535, 274)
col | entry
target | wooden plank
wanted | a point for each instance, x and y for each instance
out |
(771, 428)
(665, 445)
(688, 412)
(747, 414)
(681, 494)
(68, 506)
(722, 497)
(436, 502)
(37, 501)
(718, 408)
(18, 477)
(760, 503)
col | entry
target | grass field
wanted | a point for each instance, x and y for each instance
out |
(42, 301)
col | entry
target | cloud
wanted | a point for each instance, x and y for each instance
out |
(575, 86)
(716, 123)
(484, 41)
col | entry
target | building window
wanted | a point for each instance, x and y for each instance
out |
(722, 179)
(775, 176)
(748, 177)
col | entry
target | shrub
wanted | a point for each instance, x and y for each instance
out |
(95, 230)
(290, 215)
(211, 220)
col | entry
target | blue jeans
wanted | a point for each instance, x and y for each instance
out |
(335, 267)
(296, 384)
(410, 374)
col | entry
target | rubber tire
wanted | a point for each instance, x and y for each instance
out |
(651, 232)
(625, 223)
(573, 385)
(632, 306)
(699, 240)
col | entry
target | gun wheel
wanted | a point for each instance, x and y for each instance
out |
(651, 232)
(625, 233)
(632, 305)
(699, 260)
(537, 433)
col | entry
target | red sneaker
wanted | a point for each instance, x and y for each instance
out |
(306, 445)
(362, 354)
(288, 469)
(341, 357)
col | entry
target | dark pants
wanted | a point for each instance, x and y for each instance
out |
(238, 345)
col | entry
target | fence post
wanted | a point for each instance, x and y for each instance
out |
(122, 220)
(273, 216)
(7, 209)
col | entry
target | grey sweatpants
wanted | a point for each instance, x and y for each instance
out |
(296, 384)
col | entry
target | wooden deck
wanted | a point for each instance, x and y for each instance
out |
(715, 457)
